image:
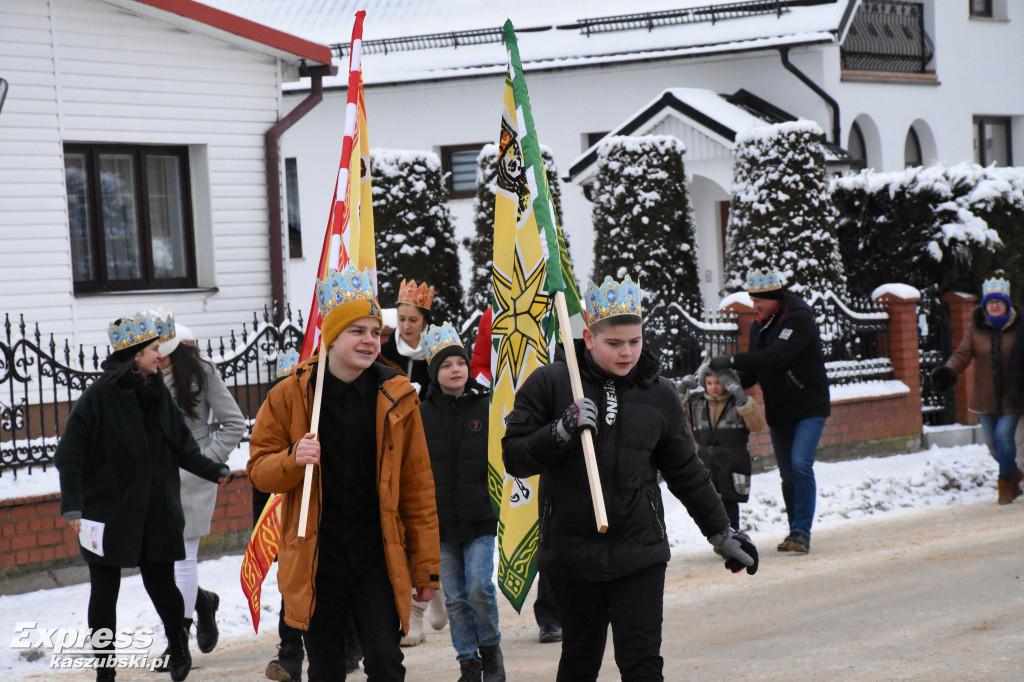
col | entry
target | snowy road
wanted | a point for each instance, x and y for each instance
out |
(915, 575)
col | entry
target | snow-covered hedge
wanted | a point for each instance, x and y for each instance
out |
(643, 227)
(781, 217)
(938, 228)
(414, 230)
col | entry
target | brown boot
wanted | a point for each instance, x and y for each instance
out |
(1006, 491)
(1017, 477)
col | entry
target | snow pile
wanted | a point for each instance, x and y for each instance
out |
(848, 492)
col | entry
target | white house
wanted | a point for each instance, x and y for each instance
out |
(134, 163)
(892, 83)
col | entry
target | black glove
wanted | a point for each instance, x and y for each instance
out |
(720, 362)
(687, 383)
(731, 382)
(581, 414)
(943, 378)
(738, 550)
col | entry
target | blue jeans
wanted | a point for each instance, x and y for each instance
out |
(467, 576)
(794, 448)
(999, 437)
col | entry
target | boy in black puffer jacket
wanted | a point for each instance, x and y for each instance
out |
(617, 577)
(455, 415)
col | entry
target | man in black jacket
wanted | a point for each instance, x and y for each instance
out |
(786, 358)
(617, 577)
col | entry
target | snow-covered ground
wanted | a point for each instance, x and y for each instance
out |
(847, 493)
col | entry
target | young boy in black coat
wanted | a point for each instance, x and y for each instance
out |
(617, 577)
(455, 424)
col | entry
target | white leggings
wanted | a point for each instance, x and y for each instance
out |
(186, 575)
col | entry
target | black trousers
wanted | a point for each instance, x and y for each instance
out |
(157, 578)
(732, 510)
(632, 604)
(371, 600)
(544, 607)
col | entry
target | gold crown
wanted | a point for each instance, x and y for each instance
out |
(759, 281)
(420, 296)
(164, 321)
(437, 338)
(612, 299)
(126, 332)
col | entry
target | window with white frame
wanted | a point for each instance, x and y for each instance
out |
(129, 217)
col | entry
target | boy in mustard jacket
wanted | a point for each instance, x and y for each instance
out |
(372, 531)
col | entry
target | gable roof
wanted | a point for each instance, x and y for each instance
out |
(715, 116)
(242, 32)
(416, 40)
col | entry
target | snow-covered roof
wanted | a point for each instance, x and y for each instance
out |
(412, 40)
(720, 117)
(243, 31)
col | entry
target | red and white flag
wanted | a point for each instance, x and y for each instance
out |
(349, 237)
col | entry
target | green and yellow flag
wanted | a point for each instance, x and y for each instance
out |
(530, 265)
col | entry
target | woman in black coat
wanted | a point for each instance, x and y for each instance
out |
(404, 348)
(118, 460)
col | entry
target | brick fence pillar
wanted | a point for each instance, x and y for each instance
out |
(960, 308)
(744, 316)
(903, 350)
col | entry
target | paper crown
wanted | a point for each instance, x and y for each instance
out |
(997, 286)
(760, 281)
(166, 329)
(612, 299)
(341, 287)
(420, 296)
(437, 338)
(286, 361)
(126, 332)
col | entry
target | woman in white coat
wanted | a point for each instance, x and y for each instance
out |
(217, 426)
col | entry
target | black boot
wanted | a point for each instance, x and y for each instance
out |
(493, 663)
(165, 657)
(105, 669)
(287, 667)
(177, 647)
(469, 670)
(207, 633)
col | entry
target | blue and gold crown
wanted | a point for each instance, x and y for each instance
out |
(126, 332)
(164, 321)
(286, 361)
(437, 338)
(612, 299)
(997, 286)
(350, 284)
(760, 281)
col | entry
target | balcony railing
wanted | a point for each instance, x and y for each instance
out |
(887, 36)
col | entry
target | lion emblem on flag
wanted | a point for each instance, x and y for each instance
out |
(511, 176)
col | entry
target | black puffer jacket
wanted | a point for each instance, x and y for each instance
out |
(456, 431)
(786, 358)
(642, 430)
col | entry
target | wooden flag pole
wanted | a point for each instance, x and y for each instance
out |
(589, 455)
(314, 426)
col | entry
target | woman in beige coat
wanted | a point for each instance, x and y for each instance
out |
(217, 425)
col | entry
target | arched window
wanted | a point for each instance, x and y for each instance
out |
(855, 145)
(912, 150)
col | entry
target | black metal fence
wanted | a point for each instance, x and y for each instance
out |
(40, 380)
(887, 36)
(935, 344)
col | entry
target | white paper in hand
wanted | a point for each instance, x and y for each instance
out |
(91, 536)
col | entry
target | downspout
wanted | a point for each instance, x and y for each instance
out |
(834, 105)
(273, 144)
